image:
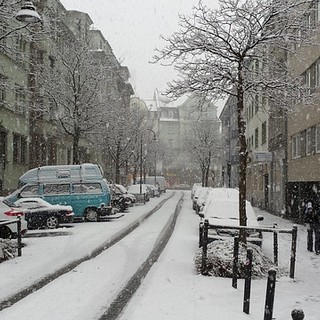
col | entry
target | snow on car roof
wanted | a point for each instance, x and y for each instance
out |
(222, 205)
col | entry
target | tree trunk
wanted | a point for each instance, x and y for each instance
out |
(117, 165)
(242, 158)
(76, 139)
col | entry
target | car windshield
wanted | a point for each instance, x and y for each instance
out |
(7, 202)
(121, 188)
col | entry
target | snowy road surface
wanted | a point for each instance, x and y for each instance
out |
(172, 289)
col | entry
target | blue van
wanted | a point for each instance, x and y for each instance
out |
(89, 197)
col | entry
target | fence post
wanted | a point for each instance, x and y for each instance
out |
(235, 263)
(204, 247)
(19, 235)
(275, 245)
(293, 250)
(247, 283)
(271, 283)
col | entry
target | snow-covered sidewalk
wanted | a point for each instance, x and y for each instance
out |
(172, 290)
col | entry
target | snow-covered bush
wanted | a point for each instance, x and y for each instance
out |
(7, 249)
(220, 260)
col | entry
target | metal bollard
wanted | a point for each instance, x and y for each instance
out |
(235, 263)
(275, 245)
(247, 283)
(293, 251)
(204, 247)
(297, 314)
(19, 236)
(268, 310)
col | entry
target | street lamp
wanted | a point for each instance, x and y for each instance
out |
(141, 160)
(28, 13)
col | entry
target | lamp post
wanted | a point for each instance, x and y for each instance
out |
(28, 13)
(141, 159)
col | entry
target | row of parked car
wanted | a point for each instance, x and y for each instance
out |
(38, 213)
(53, 195)
(220, 206)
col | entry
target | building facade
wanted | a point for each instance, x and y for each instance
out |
(30, 133)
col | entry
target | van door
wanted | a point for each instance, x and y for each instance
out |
(89, 195)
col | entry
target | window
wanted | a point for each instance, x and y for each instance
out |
(56, 188)
(256, 138)
(296, 141)
(308, 81)
(318, 138)
(3, 32)
(264, 132)
(52, 63)
(87, 188)
(20, 99)
(3, 148)
(308, 142)
(21, 43)
(318, 73)
(19, 148)
(256, 102)
(2, 89)
(30, 191)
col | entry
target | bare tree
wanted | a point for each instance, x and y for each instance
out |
(203, 146)
(75, 84)
(121, 136)
(241, 49)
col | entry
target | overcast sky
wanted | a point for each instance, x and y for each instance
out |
(133, 29)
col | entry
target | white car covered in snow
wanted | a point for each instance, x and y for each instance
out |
(222, 209)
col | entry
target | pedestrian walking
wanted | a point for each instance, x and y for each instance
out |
(312, 220)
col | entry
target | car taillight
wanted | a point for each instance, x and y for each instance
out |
(13, 213)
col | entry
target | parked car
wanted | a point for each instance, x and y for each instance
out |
(196, 194)
(142, 196)
(194, 188)
(120, 198)
(158, 181)
(90, 199)
(8, 213)
(119, 189)
(200, 198)
(41, 214)
(222, 208)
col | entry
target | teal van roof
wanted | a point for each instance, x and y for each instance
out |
(62, 172)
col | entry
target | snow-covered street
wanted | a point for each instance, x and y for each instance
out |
(171, 290)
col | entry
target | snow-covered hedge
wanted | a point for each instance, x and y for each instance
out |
(8, 249)
(220, 260)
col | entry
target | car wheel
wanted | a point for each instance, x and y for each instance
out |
(91, 215)
(5, 233)
(52, 222)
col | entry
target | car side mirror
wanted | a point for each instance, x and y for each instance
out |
(260, 218)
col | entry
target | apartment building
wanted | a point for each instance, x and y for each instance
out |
(283, 141)
(173, 124)
(304, 133)
(230, 141)
(30, 133)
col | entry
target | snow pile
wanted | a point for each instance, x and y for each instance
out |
(220, 260)
(7, 249)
